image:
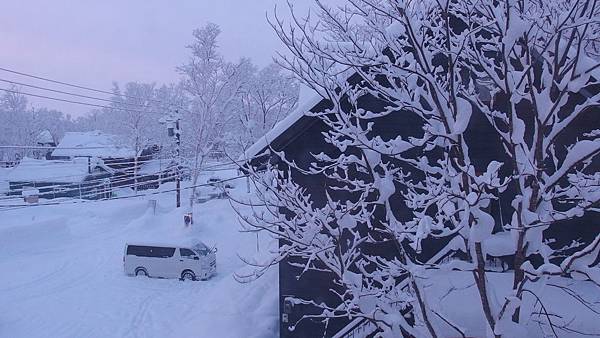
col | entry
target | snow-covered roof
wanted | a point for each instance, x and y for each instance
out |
(32, 170)
(153, 167)
(92, 144)
(304, 106)
(30, 192)
(175, 241)
(45, 137)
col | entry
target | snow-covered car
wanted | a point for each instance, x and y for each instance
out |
(186, 262)
(215, 188)
(218, 182)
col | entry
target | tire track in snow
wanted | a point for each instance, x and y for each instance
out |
(138, 317)
(49, 276)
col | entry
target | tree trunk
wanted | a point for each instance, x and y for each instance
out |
(196, 174)
(135, 170)
(479, 275)
(423, 307)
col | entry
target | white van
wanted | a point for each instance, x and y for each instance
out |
(190, 262)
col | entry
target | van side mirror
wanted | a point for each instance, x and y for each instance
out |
(214, 249)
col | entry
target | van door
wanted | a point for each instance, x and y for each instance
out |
(172, 267)
(163, 261)
(189, 260)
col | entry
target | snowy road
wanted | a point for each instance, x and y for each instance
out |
(61, 275)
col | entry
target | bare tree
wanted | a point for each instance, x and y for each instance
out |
(213, 86)
(268, 96)
(135, 118)
(526, 67)
(18, 128)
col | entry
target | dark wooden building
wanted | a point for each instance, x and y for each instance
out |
(300, 135)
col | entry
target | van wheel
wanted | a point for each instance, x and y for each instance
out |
(188, 275)
(141, 272)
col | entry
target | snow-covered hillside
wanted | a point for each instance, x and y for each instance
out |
(61, 274)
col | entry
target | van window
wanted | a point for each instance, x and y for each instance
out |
(201, 249)
(137, 250)
(150, 251)
(163, 252)
(187, 253)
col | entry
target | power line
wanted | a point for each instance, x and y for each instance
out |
(79, 102)
(74, 85)
(18, 206)
(68, 200)
(66, 187)
(100, 181)
(44, 147)
(118, 177)
(78, 95)
(127, 175)
(114, 161)
(61, 182)
(87, 185)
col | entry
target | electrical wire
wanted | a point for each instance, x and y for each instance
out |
(78, 95)
(89, 194)
(99, 181)
(18, 206)
(75, 186)
(132, 185)
(167, 162)
(81, 103)
(74, 85)
(44, 147)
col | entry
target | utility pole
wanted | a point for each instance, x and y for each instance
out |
(177, 154)
(172, 122)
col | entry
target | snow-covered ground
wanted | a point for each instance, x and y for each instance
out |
(455, 295)
(61, 274)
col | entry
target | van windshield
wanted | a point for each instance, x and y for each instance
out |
(201, 249)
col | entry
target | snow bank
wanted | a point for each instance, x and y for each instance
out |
(32, 170)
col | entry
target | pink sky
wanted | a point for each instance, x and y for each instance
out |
(93, 43)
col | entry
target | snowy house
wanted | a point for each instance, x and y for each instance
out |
(92, 144)
(78, 178)
(111, 149)
(45, 139)
(300, 135)
(46, 143)
(108, 147)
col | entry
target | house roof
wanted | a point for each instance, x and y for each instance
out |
(156, 166)
(92, 144)
(303, 108)
(45, 137)
(32, 170)
(309, 100)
